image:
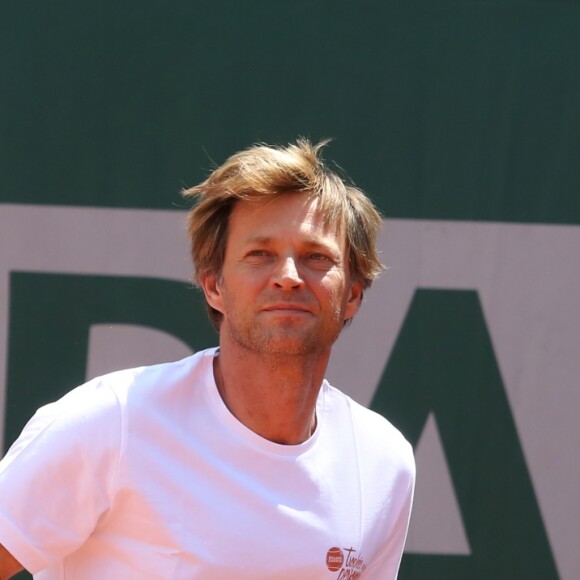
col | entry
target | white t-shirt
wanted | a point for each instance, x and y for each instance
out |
(144, 473)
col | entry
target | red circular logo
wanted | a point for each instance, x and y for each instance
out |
(334, 559)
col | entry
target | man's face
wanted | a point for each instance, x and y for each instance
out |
(285, 286)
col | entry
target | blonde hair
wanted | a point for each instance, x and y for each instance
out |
(264, 172)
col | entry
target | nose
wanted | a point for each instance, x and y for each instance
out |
(286, 274)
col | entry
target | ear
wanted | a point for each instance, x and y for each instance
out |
(354, 300)
(211, 289)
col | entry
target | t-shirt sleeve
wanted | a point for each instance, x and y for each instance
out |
(57, 479)
(388, 560)
(389, 465)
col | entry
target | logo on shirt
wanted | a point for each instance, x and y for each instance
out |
(346, 561)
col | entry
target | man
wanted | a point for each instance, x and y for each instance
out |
(239, 461)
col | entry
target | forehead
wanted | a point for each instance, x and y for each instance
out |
(293, 214)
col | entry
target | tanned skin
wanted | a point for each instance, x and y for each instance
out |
(284, 291)
(8, 564)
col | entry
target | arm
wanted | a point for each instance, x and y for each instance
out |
(55, 480)
(8, 564)
(388, 560)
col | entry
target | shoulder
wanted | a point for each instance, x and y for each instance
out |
(97, 408)
(155, 381)
(378, 441)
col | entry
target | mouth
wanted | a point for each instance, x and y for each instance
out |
(287, 309)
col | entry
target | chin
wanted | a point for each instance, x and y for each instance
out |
(293, 346)
(289, 341)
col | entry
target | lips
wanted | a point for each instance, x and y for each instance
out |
(286, 307)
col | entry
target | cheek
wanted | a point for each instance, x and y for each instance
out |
(249, 277)
(240, 293)
(334, 288)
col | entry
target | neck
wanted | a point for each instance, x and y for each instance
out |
(273, 395)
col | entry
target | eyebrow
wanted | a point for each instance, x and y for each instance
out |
(259, 240)
(311, 241)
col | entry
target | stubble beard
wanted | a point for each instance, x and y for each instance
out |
(285, 340)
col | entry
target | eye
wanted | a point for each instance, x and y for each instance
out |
(320, 261)
(257, 256)
(318, 257)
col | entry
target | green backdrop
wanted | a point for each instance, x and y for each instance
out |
(466, 111)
